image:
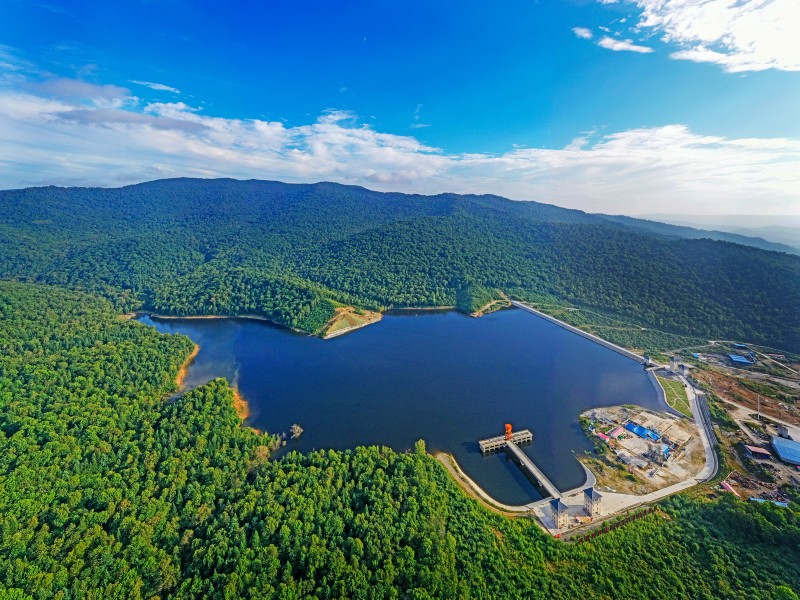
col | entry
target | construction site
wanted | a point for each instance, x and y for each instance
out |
(639, 451)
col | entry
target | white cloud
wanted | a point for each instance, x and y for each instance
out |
(47, 139)
(739, 35)
(582, 32)
(622, 45)
(83, 93)
(159, 87)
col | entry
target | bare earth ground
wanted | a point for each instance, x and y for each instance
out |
(348, 319)
(615, 476)
(492, 306)
(728, 388)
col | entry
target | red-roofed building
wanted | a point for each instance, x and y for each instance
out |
(757, 453)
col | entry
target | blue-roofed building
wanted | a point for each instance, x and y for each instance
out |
(741, 346)
(642, 432)
(739, 360)
(787, 450)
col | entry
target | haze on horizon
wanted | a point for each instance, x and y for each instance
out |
(615, 106)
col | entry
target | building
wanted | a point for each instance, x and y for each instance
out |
(739, 360)
(790, 433)
(559, 513)
(592, 502)
(673, 364)
(787, 450)
(684, 369)
(616, 433)
(757, 453)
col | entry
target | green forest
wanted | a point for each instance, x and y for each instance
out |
(292, 253)
(113, 486)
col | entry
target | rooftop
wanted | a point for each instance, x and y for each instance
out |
(592, 493)
(787, 450)
(757, 450)
(742, 360)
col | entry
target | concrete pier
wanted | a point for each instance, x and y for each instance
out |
(524, 436)
(511, 446)
(526, 463)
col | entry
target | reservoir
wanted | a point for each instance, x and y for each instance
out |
(440, 376)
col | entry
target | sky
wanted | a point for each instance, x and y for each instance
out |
(613, 106)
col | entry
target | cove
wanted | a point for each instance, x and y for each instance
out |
(441, 376)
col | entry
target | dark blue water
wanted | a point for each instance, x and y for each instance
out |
(440, 376)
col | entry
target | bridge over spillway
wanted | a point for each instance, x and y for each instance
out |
(509, 442)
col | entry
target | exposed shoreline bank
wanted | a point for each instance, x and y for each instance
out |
(240, 405)
(180, 378)
(347, 319)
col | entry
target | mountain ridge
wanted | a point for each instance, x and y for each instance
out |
(293, 252)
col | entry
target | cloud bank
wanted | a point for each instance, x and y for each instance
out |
(69, 132)
(739, 35)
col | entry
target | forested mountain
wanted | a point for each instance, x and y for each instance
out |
(110, 488)
(693, 233)
(291, 252)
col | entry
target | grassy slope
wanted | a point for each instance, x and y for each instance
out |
(676, 395)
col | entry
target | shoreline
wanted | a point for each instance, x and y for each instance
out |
(240, 405)
(473, 490)
(172, 317)
(345, 315)
(421, 308)
(320, 335)
(180, 378)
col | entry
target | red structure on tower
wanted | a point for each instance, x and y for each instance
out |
(508, 431)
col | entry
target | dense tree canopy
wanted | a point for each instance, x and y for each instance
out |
(291, 252)
(112, 487)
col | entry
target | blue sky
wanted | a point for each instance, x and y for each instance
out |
(631, 107)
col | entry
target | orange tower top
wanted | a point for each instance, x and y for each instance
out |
(508, 431)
